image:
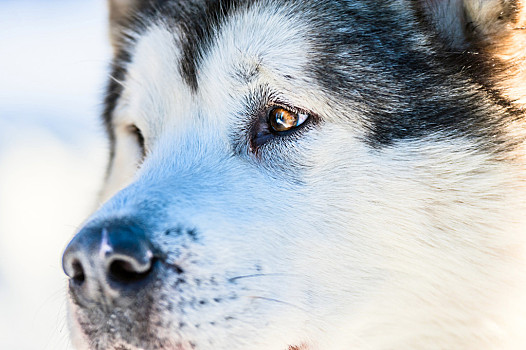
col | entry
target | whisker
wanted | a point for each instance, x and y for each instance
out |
(233, 279)
(121, 83)
(279, 301)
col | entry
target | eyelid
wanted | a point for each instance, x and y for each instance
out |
(134, 130)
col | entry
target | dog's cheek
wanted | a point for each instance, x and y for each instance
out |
(77, 336)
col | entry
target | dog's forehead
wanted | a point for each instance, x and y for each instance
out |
(252, 47)
(340, 60)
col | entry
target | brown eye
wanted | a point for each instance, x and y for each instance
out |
(281, 119)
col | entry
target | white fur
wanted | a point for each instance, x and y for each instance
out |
(494, 29)
(417, 246)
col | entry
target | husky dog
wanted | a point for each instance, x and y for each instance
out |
(328, 175)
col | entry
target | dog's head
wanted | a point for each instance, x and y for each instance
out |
(290, 175)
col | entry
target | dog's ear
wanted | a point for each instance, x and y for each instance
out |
(120, 12)
(493, 29)
(462, 23)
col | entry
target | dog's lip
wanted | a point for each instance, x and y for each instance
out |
(121, 346)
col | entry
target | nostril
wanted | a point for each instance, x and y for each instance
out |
(78, 273)
(109, 263)
(128, 271)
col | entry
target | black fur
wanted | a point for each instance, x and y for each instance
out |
(113, 93)
(405, 92)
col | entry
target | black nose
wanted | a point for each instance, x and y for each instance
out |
(109, 262)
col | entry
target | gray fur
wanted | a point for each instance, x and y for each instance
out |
(394, 217)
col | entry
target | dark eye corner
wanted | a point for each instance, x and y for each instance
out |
(135, 131)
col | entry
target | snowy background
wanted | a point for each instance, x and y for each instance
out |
(53, 60)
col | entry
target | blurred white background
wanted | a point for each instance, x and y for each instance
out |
(53, 61)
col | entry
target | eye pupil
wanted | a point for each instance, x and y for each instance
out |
(283, 120)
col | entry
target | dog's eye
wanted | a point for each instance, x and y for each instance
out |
(135, 131)
(278, 122)
(282, 120)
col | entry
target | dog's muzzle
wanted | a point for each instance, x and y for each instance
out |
(109, 263)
